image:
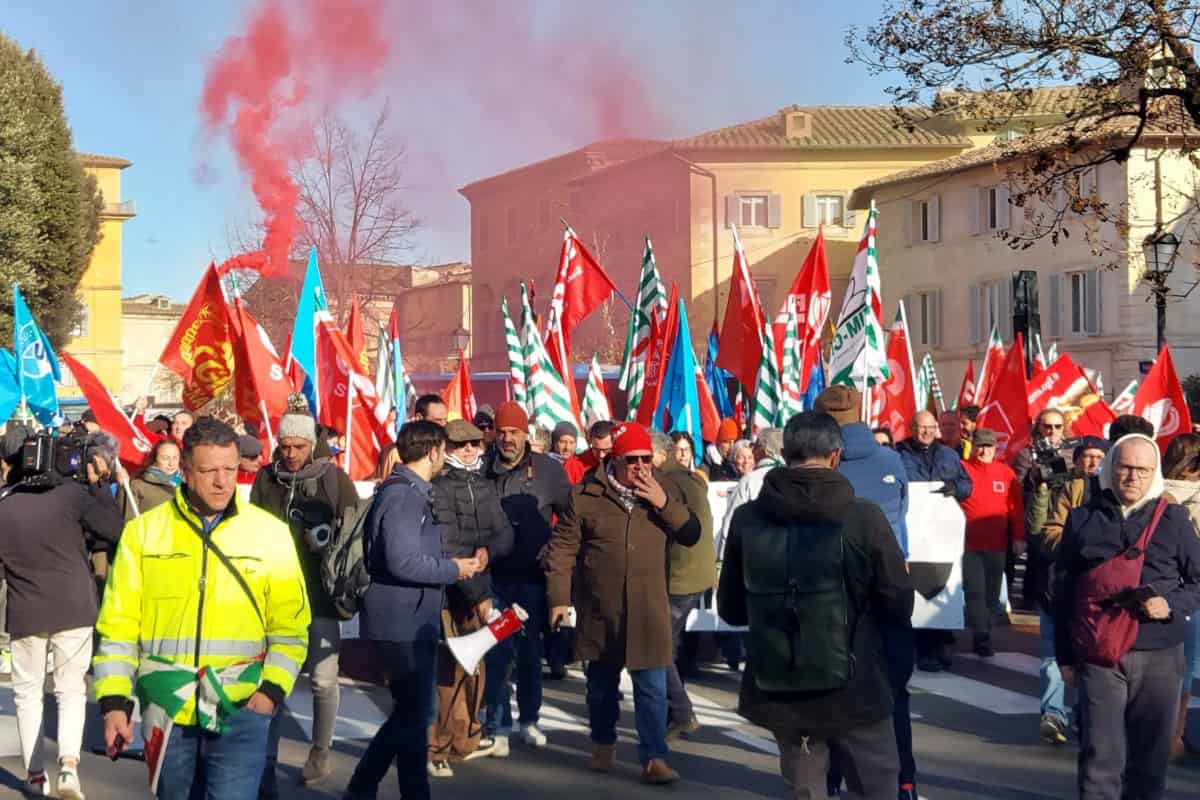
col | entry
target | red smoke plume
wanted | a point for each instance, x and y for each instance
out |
(265, 83)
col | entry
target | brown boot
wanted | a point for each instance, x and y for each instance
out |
(603, 756)
(656, 772)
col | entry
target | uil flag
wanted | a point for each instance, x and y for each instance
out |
(679, 402)
(811, 299)
(741, 345)
(1007, 409)
(858, 356)
(261, 387)
(37, 368)
(993, 362)
(458, 394)
(1160, 399)
(898, 404)
(10, 385)
(356, 335)
(302, 351)
(1123, 403)
(717, 378)
(134, 447)
(595, 398)
(201, 349)
(966, 393)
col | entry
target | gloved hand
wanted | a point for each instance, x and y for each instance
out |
(948, 489)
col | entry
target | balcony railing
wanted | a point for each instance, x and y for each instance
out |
(126, 208)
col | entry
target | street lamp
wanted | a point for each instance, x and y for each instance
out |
(1160, 249)
(461, 338)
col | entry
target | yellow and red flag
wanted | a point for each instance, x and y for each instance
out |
(201, 349)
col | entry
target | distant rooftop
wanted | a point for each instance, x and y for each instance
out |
(94, 160)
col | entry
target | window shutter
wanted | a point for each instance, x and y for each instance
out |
(976, 209)
(974, 313)
(907, 222)
(1002, 208)
(849, 217)
(809, 216)
(935, 322)
(731, 210)
(1004, 308)
(1087, 182)
(935, 218)
(774, 210)
(1055, 306)
(1091, 302)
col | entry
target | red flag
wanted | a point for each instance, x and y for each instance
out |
(896, 399)
(813, 300)
(261, 387)
(710, 418)
(993, 364)
(966, 392)
(662, 339)
(560, 356)
(1058, 385)
(348, 402)
(355, 335)
(580, 286)
(1094, 420)
(1007, 410)
(135, 447)
(739, 348)
(201, 349)
(1160, 399)
(458, 394)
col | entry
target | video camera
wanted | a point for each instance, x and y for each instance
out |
(48, 460)
(1050, 460)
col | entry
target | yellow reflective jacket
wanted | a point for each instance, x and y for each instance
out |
(168, 595)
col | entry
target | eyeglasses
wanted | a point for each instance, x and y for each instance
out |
(638, 459)
(1139, 472)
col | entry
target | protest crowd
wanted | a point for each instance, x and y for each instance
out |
(199, 564)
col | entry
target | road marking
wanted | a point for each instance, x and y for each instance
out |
(1023, 663)
(977, 694)
(757, 742)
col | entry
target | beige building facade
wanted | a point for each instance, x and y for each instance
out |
(148, 320)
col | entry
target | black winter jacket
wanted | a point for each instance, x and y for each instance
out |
(468, 511)
(531, 492)
(877, 585)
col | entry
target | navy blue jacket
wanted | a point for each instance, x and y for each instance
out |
(403, 553)
(531, 492)
(877, 474)
(1096, 532)
(935, 463)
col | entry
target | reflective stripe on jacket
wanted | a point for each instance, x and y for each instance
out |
(168, 596)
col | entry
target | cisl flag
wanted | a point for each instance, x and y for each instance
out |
(895, 402)
(1007, 409)
(1160, 399)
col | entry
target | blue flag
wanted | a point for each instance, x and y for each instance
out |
(37, 366)
(10, 386)
(716, 378)
(304, 340)
(679, 399)
(816, 385)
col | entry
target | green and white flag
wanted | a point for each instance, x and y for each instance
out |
(768, 406)
(550, 402)
(651, 303)
(792, 399)
(859, 354)
(1123, 403)
(595, 399)
(517, 378)
(927, 385)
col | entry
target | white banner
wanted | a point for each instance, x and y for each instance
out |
(704, 618)
(936, 536)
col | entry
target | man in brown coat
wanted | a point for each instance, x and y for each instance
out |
(617, 528)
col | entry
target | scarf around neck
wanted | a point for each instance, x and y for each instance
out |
(455, 462)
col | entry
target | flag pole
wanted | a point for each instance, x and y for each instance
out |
(129, 496)
(150, 380)
(618, 292)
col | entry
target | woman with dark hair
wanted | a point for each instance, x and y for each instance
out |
(157, 483)
(1181, 471)
(883, 437)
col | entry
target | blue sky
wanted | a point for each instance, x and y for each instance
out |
(132, 73)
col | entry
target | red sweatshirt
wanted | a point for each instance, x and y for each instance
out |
(995, 509)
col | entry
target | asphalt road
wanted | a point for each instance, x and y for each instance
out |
(975, 729)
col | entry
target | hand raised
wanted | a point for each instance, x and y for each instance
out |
(650, 490)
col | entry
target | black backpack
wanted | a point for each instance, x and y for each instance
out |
(343, 565)
(801, 631)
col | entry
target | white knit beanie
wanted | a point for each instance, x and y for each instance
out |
(297, 426)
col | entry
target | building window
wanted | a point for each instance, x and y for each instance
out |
(925, 317)
(484, 232)
(510, 225)
(991, 208)
(1083, 303)
(831, 209)
(81, 325)
(752, 211)
(924, 222)
(990, 307)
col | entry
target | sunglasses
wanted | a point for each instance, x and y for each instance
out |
(472, 442)
(638, 459)
(485, 427)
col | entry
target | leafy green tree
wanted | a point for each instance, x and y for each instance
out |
(49, 207)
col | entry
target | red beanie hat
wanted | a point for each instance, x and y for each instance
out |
(511, 415)
(628, 437)
(727, 431)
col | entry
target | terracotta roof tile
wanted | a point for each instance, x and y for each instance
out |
(1033, 102)
(831, 126)
(94, 160)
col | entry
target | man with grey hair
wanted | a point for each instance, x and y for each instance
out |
(768, 454)
(692, 571)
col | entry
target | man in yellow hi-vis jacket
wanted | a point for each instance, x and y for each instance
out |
(205, 619)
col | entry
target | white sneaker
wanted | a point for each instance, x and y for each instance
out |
(500, 748)
(68, 784)
(533, 737)
(440, 769)
(37, 784)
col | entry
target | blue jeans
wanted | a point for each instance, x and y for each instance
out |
(649, 705)
(1054, 691)
(207, 766)
(527, 647)
(403, 737)
(1191, 652)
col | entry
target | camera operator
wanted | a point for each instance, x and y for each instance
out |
(313, 496)
(1048, 433)
(58, 496)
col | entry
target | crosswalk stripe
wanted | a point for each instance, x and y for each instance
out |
(1014, 662)
(977, 694)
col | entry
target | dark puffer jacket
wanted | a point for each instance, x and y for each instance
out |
(532, 491)
(467, 509)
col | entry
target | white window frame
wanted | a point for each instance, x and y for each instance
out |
(82, 326)
(756, 205)
(924, 309)
(831, 209)
(1079, 319)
